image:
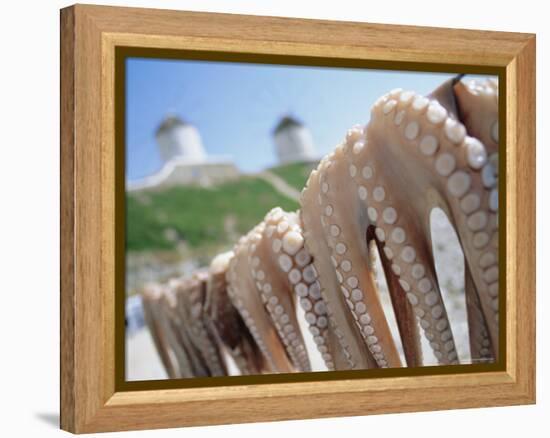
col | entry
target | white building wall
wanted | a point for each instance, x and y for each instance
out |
(203, 175)
(294, 143)
(181, 173)
(181, 141)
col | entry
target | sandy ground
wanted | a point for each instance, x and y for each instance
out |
(143, 362)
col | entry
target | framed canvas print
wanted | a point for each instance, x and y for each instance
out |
(269, 218)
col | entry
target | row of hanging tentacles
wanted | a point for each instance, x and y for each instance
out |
(373, 193)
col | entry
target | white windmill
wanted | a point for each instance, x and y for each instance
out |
(293, 141)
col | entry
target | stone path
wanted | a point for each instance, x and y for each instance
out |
(280, 185)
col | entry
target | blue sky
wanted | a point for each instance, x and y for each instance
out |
(235, 106)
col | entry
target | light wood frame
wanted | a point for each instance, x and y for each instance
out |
(89, 37)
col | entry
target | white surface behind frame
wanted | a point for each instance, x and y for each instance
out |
(29, 224)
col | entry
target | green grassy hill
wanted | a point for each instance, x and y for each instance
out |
(294, 174)
(205, 219)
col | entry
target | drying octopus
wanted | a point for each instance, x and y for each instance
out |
(372, 195)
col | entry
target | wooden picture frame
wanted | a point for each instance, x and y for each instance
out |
(92, 399)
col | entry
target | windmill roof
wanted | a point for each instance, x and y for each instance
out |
(286, 122)
(170, 122)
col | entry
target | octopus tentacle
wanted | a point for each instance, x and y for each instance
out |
(245, 292)
(350, 337)
(316, 314)
(303, 277)
(154, 317)
(477, 105)
(399, 225)
(187, 356)
(480, 343)
(272, 257)
(225, 322)
(190, 293)
(478, 108)
(455, 164)
(404, 315)
(287, 242)
(343, 228)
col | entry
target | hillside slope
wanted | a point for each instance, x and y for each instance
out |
(295, 174)
(205, 217)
